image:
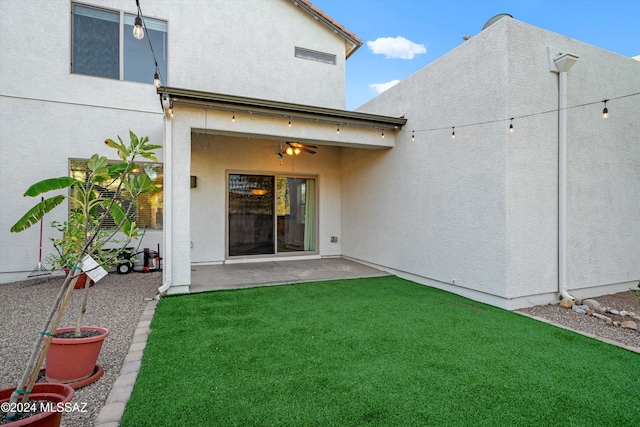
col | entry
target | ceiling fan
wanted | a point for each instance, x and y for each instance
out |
(296, 148)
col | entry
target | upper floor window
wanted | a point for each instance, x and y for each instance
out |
(315, 56)
(104, 46)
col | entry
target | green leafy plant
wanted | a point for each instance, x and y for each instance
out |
(99, 225)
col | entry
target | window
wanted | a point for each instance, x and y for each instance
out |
(315, 56)
(146, 209)
(99, 37)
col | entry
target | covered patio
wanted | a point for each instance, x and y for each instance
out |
(245, 275)
(238, 190)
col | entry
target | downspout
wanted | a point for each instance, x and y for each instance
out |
(564, 62)
(167, 189)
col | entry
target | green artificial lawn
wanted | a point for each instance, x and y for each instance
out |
(378, 351)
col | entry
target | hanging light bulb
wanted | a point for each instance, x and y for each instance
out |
(382, 133)
(137, 28)
(338, 131)
(605, 112)
(289, 121)
(156, 80)
(511, 126)
(413, 135)
(453, 132)
(296, 150)
(289, 151)
(233, 117)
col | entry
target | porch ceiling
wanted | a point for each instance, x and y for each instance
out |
(311, 117)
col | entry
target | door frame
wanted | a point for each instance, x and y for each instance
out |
(275, 175)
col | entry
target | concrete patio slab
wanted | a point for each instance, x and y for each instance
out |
(235, 276)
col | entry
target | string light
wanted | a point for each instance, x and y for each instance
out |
(413, 135)
(338, 130)
(233, 117)
(382, 133)
(138, 32)
(605, 114)
(289, 121)
(156, 80)
(453, 132)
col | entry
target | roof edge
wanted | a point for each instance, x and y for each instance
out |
(279, 108)
(328, 21)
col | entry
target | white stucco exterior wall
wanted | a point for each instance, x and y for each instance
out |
(48, 114)
(482, 209)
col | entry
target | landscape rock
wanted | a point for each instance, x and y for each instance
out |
(616, 323)
(602, 316)
(566, 303)
(578, 309)
(614, 312)
(624, 313)
(590, 312)
(630, 324)
(594, 305)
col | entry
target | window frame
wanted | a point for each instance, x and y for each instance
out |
(135, 201)
(314, 55)
(121, 43)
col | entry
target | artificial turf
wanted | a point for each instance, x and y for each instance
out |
(377, 351)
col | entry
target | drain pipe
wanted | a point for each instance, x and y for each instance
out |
(167, 189)
(564, 62)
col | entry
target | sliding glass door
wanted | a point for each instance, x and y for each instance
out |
(271, 214)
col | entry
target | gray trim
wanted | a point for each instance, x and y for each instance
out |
(277, 108)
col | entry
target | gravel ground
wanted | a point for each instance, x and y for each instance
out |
(116, 303)
(592, 325)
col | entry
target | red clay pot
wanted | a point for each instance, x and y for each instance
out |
(56, 393)
(82, 280)
(71, 360)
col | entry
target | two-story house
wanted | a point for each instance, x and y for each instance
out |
(261, 160)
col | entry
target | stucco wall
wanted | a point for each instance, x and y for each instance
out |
(48, 114)
(603, 167)
(436, 208)
(483, 209)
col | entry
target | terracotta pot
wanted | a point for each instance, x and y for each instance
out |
(70, 360)
(56, 393)
(82, 280)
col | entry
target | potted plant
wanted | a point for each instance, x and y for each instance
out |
(97, 231)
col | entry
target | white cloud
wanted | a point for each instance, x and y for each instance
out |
(381, 87)
(397, 47)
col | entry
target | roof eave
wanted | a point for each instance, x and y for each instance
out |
(353, 41)
(278, 108)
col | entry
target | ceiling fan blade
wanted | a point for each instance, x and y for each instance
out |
(303, 148)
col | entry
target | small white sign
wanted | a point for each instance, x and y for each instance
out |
(93, 270)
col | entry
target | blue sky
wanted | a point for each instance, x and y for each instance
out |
(409, 27)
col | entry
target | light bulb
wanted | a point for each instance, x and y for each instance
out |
(383, 134)
(453, 133)
(156, 80)
(289, 122)
(296, 150)
(605, 113)
(413, 136)
(137, 28)
(289, 151)
(338, 131)
(233, 117)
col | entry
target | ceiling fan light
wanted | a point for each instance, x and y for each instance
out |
(289, 151)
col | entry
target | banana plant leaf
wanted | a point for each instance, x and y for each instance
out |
(35, 214)
(50, 185)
